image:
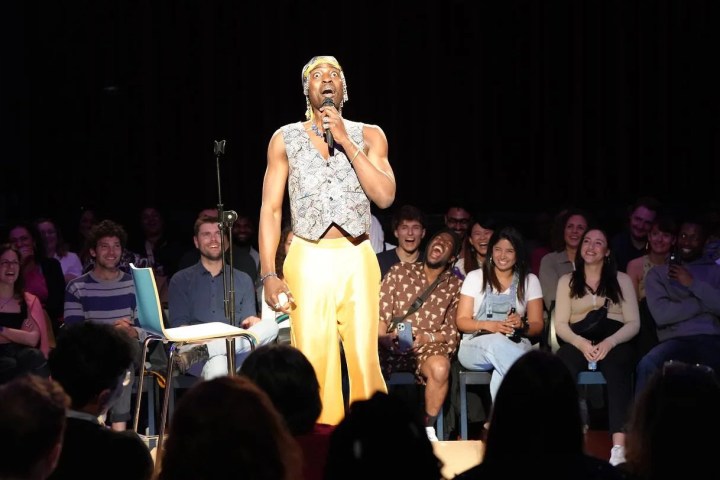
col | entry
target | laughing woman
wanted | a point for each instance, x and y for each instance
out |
(597, 284)
(500, 305)
(23, 332)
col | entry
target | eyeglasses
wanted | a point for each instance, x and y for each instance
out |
(456, 221)
(6, 263)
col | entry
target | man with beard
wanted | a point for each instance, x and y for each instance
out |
(408, 226)
(243, 236)
(684, 299)
(197, 295)
(333, 169)
(458, 219)
(106, 295)
(435, 337)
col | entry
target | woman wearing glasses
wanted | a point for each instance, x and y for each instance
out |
(23, 333)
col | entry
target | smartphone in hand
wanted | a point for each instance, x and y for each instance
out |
(404, 336)
(674, 257)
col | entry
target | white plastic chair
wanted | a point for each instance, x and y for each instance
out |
(150, 317)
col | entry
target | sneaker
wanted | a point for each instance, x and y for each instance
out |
(186, 358)
(617, 455)
(430, 431)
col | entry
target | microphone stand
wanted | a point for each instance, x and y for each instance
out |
(226, 219)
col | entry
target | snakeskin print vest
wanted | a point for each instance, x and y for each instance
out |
(324, 192)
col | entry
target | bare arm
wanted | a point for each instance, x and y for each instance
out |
(28, 334)
(371, 164)
(373, 167)
(276, 175)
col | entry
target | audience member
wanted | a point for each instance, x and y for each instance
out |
(93, 363)
(57, 248)
(684, 299)
(197, 295)
(241, 260)
(32, 422)
(596, 286)
(381, 437)
(571, 224)
(539, 389)
(281, 318)
(156, 244)
(106, 295)
(458, 218)
(227, 427)
(286, 375)
(673, 423)
(88, 219)
(408, 224)
(435, 337)
(244, 236)
(632, 241)
(476, 245)
(43, 277)
(500, 307)
(661, 240)
(24, 343)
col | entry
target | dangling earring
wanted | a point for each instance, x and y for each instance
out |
(490, 260)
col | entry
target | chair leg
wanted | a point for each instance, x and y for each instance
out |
(141, 378)
(440, 424)
(168, 389)
(151, 406)
(230, 342)
(463, 408)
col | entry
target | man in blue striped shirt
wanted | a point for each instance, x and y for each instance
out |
(106, 294)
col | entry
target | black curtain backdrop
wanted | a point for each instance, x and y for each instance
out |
(511, 105)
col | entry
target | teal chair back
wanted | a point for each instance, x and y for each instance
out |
(149, 310)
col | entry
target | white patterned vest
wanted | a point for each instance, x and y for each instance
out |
(324, 192)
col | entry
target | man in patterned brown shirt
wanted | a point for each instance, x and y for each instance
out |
(435, 337)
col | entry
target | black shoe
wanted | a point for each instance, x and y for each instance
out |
(188, 358)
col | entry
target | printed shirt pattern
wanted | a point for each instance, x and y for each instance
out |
(403, 283)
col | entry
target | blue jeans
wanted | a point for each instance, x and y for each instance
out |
(492, 351)
(703, 349)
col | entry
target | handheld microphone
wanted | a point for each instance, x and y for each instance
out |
(328, 102)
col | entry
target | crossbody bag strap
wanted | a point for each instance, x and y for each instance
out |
(415, 306)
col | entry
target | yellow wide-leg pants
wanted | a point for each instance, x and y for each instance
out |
(336, 287)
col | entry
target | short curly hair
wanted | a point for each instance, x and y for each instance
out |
(106, 228)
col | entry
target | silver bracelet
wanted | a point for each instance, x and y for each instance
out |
(271, 274)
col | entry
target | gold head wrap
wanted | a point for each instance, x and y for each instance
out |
(309, 67)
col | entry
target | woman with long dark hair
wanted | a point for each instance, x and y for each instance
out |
(500, 306)
(596, 284)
